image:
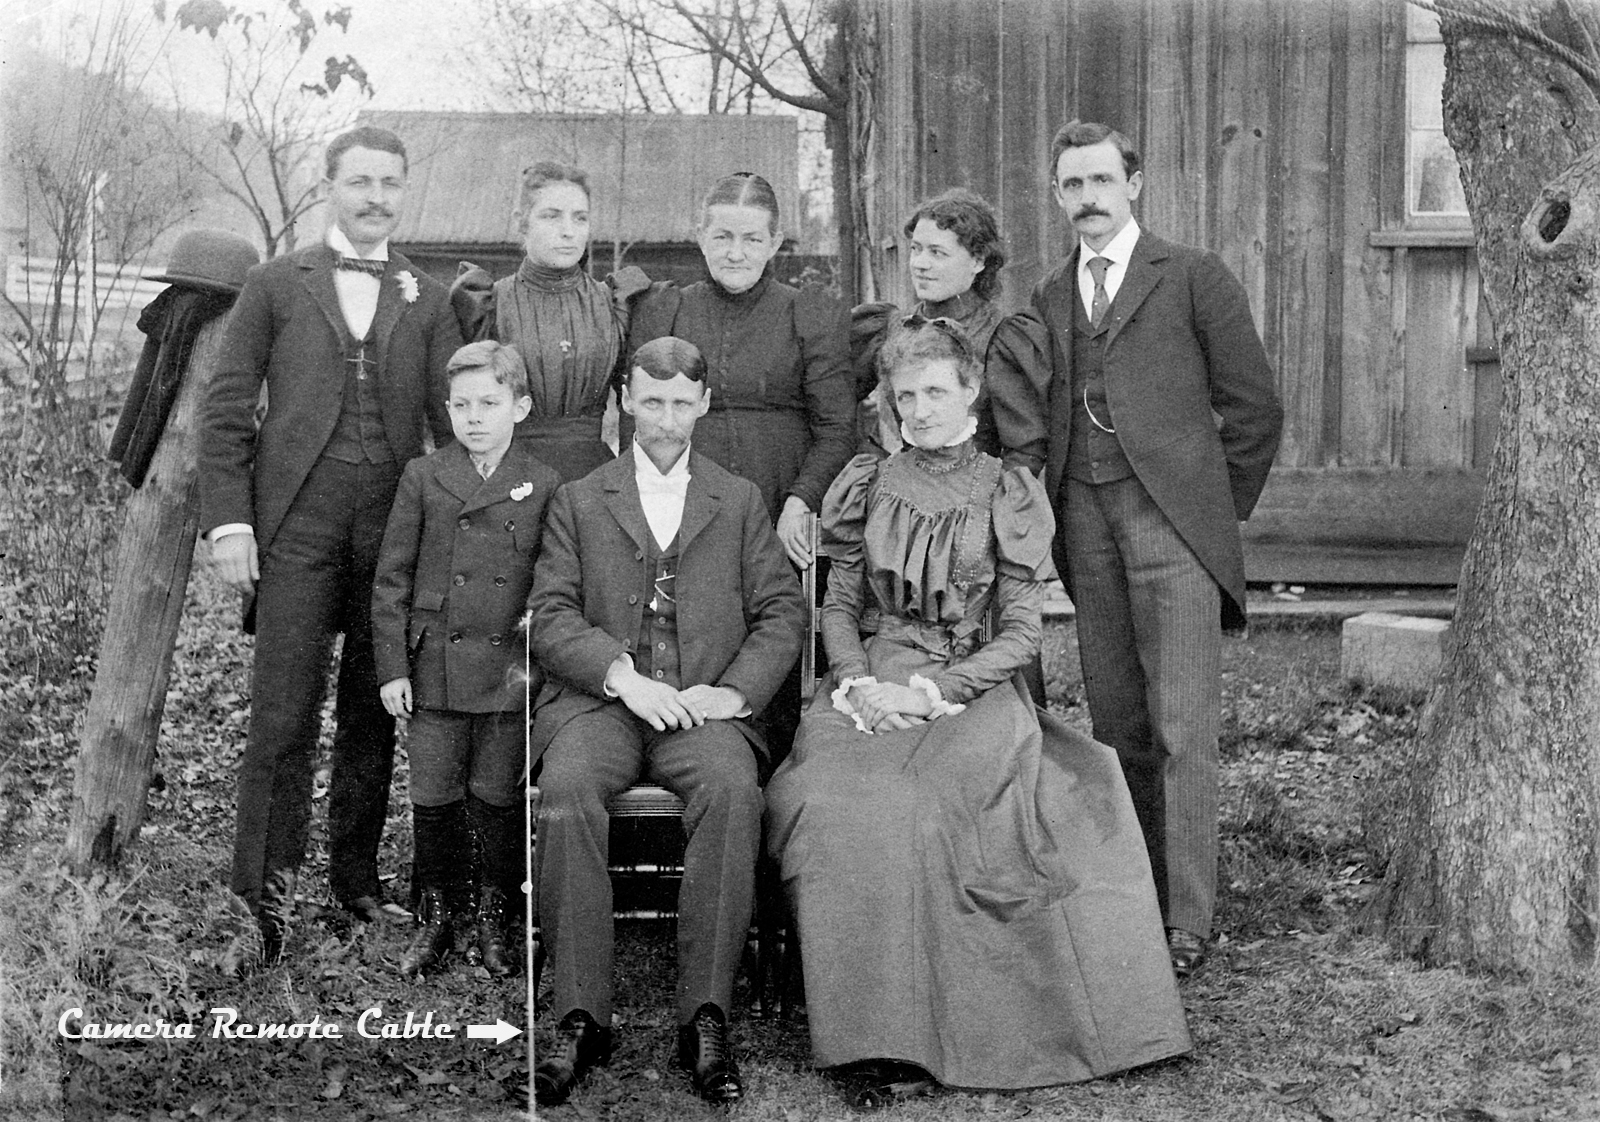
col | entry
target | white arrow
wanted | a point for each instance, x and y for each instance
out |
(499, 1032)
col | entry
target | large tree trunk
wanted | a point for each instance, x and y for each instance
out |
(1495, 845)
(154, 553)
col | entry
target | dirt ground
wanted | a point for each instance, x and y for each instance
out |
(1298, 1015)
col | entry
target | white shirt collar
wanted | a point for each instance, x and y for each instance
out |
(339, 243)
(1119, 249)
(661, 494)
(645, 466)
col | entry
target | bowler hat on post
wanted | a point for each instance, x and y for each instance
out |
(213, 260)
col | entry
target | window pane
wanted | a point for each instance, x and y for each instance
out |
(1425, 85)
(1422, 26)
(1435, 177)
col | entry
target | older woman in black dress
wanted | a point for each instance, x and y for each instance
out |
(973, 896)
(568, 326)
(782, 403)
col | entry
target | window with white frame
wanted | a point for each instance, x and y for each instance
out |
(1433, 178)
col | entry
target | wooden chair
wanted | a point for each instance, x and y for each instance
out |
(646, 851)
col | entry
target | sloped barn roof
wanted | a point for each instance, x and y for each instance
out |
(647, 173)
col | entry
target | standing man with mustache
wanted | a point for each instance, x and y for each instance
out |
(352, 344)
(1154, 415)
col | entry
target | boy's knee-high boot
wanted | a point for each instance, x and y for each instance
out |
(497, 860)
(438, 836)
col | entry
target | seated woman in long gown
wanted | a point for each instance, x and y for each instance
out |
(973, 895)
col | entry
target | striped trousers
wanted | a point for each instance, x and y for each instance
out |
(1150, 641)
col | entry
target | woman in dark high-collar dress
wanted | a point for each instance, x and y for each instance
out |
(782, 399)
(954, 254)
(974, 900)
(568, 326)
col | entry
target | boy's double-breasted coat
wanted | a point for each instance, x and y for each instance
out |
(454, 575)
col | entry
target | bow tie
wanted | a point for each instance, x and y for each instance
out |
(362, 265)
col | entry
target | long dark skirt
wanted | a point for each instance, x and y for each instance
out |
(973, 894)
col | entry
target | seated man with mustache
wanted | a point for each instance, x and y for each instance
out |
(665, 614)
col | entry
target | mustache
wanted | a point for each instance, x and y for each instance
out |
(375, 212)
(1090, 212)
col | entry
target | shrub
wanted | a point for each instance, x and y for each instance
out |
(59, 517)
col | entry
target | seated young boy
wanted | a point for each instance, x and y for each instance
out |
(452, 584)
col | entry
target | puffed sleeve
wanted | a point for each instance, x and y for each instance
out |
(1017, 376)
(824, 337)
(1023, 526)
(844, 527)
(869, 326)
(1023, 529)
(844, 509)
(627, 285)
(654, 311)
(472, 299)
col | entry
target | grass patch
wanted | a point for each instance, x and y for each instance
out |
(1294, 1018)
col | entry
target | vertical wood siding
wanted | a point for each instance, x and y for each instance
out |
(1272, 131)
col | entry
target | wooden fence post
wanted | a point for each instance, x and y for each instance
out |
(155, 553)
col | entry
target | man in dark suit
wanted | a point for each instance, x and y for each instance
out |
(1155, 420)
(665, 615)
(351, 341)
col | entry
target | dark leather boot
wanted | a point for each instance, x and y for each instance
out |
(579, 1045)
(705, 1053)
(492, 953)
(434, 937)
(275, 914)
(496, 857)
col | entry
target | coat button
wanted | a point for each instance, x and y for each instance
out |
(458, 580)
(661, 673)
(638, 555)
(494, 640)
(465, 523)
(455, 636)
(511, 524)
(633, 599)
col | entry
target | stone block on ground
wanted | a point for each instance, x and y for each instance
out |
(1393, 651)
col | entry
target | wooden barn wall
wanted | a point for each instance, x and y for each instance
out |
(1272, 131)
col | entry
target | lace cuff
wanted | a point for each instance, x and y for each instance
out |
(941, 707)
(841, 699)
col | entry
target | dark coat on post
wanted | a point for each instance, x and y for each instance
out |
(1181, 347)
(288, 330)
(454, 575)
(740, 614)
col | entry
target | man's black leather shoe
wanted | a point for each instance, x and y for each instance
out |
(579, 1045)
(370, 909)
(704, 1052)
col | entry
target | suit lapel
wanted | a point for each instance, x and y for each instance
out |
(699, 505)
(622, 500)
(391, 304)
(511, 473)
(318, 266)
(456, 474)
(1141, 280)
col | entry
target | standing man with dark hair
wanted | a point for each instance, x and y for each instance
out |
(1155, 418)
(665, 615)
(352, 342)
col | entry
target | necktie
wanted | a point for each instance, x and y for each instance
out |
(1102, 302)
(362, 265)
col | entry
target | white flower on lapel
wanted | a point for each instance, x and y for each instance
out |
(521, 491)
(408, 286)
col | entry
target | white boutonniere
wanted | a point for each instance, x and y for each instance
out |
(521, 491)
(408, 286)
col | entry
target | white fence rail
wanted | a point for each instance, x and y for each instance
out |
(30, 283)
